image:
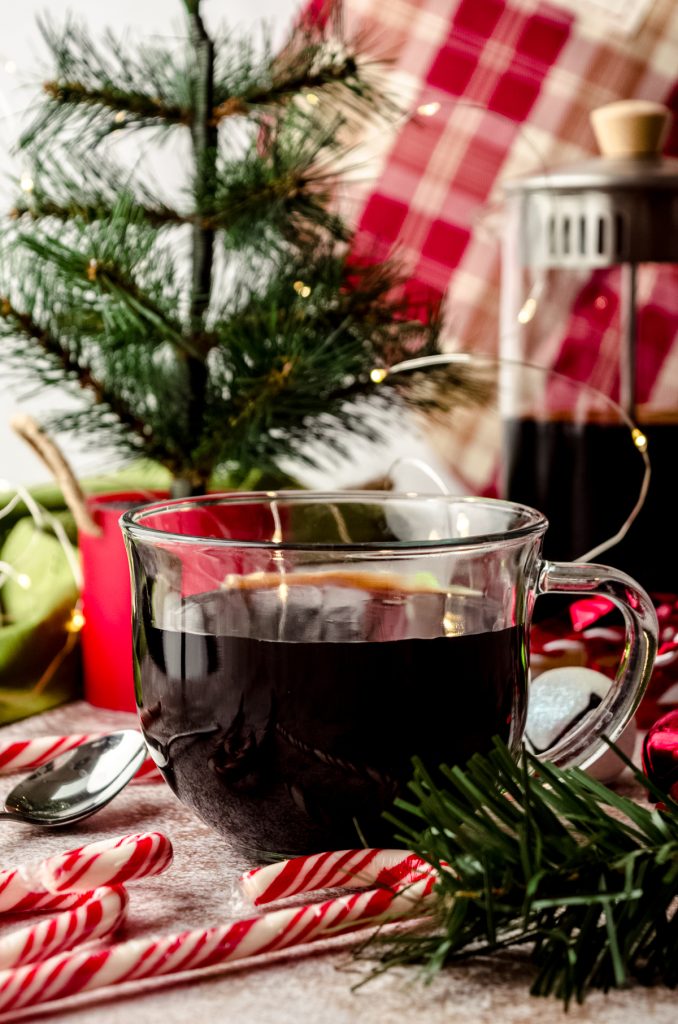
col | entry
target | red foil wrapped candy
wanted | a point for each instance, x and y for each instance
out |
(660, 754)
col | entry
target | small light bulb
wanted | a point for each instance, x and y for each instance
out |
(76, 621)
(639, 439)
(452, 625)
(527, 312)
(429, 109)
(26, 182)
(378, 374)
(302, 289)
(312, 99)
(119, 117)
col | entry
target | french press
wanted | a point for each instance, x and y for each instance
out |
(589, 276)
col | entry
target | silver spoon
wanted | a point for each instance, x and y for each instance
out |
(77, 783)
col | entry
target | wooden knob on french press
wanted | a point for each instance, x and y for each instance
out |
(631, 128)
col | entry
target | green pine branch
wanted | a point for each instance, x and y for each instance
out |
(283, 196)
(531, 854)
(260, 201)
(124, 358)
(113, 85)
(437, 391)
(71, 367)
(132, 399)
(257, 200)
(137, 107)
(89, 189)
(105, 87)
(314, 71)
(93, 272)
(95, 206)
(316, 67)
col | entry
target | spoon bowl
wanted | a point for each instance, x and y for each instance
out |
(77, 783)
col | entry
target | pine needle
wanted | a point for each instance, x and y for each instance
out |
(549, 857)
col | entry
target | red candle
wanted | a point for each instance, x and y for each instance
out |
(107, 604)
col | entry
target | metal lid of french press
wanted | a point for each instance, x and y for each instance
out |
(620, 207)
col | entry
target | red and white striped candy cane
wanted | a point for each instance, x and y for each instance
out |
(69, 973)
(148, 772)
(26, 755)
(59, 883)
(109, 862)
(21, 891)
(99, 914)
(350, 869)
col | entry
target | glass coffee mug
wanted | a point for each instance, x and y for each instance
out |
(293, 651)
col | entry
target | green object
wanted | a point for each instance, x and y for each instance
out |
(39, 657)
(229, 330)
(533, 856)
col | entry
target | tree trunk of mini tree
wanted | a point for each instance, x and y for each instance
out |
(204, 136)
(185, 487)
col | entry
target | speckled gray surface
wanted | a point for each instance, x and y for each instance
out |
(201, 889)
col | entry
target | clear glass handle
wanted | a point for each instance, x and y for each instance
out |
(583, 743)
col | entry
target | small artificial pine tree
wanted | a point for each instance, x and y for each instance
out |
(215, 336)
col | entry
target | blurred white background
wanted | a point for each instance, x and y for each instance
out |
(23, 66)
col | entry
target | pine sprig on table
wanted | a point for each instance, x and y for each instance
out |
(531, 854)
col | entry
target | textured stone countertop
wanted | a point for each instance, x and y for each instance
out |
(315, 985)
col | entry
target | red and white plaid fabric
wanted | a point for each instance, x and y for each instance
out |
(515, 81)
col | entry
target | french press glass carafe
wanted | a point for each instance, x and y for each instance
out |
(589, 287)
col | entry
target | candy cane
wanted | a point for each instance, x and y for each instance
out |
(21, 891)
(350, 869)
(26, 755)
(147, 773)
(110, 862)
(59, 883)
(99, 914)
(69, 973)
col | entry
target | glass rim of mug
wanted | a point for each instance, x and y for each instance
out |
(131, 522)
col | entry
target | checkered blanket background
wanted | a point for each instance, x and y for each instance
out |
(501, 88)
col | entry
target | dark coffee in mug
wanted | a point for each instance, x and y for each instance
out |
(287, 709)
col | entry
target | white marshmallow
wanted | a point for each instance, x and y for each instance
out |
(560, 697)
